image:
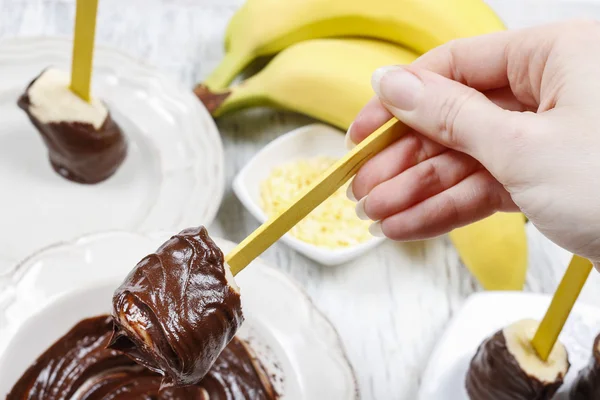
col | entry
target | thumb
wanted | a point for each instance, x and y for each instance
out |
(450, 113)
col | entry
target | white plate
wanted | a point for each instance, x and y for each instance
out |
(481, 316)
(173, 175)
(53, 289)
(305, 142)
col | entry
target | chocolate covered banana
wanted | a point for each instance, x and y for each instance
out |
(85, 144)
(507, 367)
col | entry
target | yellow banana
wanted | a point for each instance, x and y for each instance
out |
(265, 27)
(495, 250)
(327, 79)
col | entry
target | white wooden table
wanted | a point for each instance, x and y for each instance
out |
(389, 306)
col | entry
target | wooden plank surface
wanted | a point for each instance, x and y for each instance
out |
(391, 305)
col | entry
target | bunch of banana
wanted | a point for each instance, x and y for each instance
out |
(325, 53)
(265, 27)
(327, 79)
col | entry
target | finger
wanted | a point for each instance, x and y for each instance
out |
(371, 117)
(374, 114)
(452, 114)
(475, 198)
(417, 184)
(405, 153)
(479, 62)
(505, 99)
(488, 61)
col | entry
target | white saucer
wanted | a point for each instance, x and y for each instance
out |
(173, 175)
(53, 289)
(485, 313)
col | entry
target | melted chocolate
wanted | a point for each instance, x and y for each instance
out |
(176, 312)
(587, 383)
(79, 366)
(77, 151)
(495, 374)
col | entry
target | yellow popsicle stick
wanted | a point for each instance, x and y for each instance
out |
(83, 48)
(563, 301)
(332, 179)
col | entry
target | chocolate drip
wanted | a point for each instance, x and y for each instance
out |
(495, 374)
(176, 311)
(587, 383)
(79, 366)
(77, 151)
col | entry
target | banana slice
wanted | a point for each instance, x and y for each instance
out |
(587, 383)
(506, 367)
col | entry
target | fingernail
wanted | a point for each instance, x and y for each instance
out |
(376, 230)
(360, 209)
(397, 87)
(350, 192)
(348, 140)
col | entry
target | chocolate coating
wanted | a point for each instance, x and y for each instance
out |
(176, 312)
(495, 374)
(79, 366)
(587, 383)
(77, 151)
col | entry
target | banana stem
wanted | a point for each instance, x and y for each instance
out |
(230, 67)
(219, 102)
(212, 100)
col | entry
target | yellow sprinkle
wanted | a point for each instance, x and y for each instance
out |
(333, 224)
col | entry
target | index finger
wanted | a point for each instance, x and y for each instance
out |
(495, 64)
(374, 114)
(493, 60)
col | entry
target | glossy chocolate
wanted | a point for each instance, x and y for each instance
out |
(176, 311)
(587, 383)
(79, 366)
(77, 151)
(495, 374)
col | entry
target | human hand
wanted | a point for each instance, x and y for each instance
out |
(503, 122)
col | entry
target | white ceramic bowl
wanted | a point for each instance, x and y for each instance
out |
(305, 142)
(53, 289)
